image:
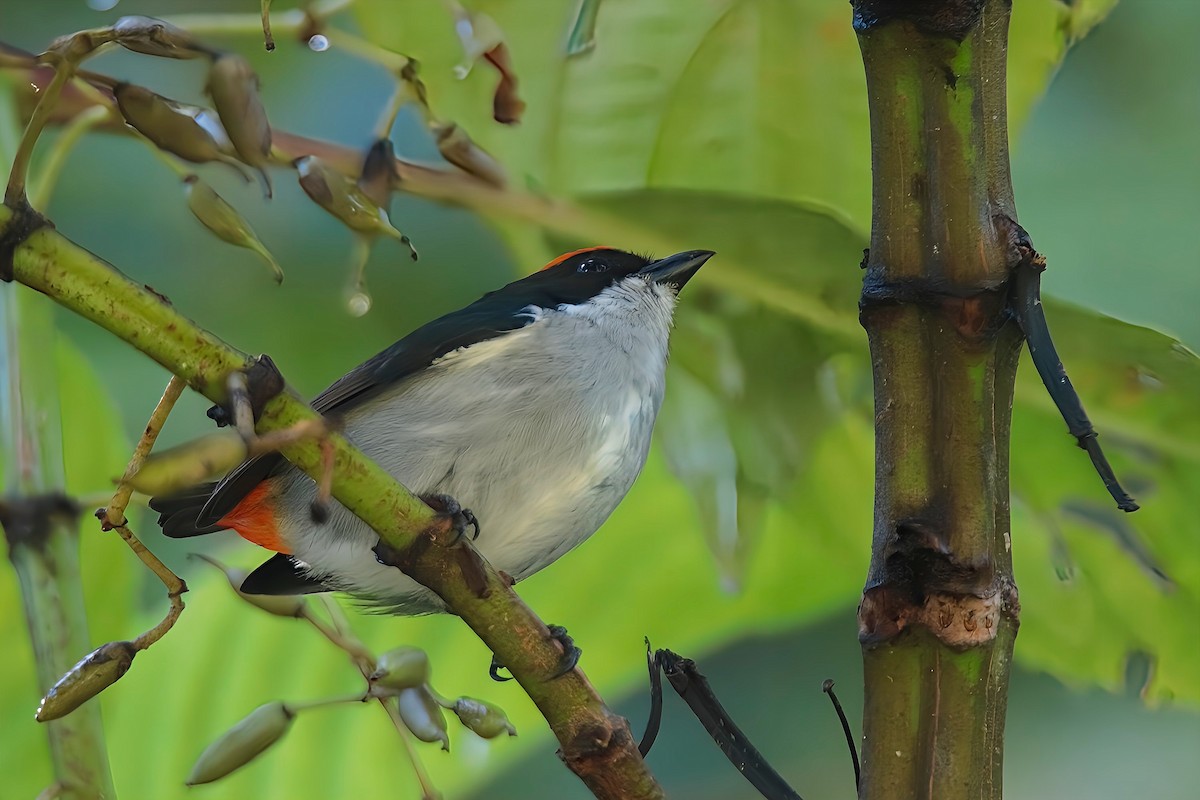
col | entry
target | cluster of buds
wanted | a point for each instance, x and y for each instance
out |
(401, 675)
(404, 673)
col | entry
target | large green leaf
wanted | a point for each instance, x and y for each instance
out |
(764, 98)
(94, 450)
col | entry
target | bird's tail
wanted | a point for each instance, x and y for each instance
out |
(178, 513)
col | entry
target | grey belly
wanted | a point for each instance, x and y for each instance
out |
(540, 475)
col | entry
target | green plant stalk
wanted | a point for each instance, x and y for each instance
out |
(45, 557)
(939, 612)
(596, 744)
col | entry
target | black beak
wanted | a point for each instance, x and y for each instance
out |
(676, 270)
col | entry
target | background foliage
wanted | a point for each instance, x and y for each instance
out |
(741, 127)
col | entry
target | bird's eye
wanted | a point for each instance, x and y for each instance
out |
(592, 265)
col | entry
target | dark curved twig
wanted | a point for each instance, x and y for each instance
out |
(693, 687)
(1026, 306)
(827, 688)
(654, 721)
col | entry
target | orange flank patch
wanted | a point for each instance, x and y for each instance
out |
(254, 520)
(565, 256)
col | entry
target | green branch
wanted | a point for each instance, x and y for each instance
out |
(939, 612)
(596, 744)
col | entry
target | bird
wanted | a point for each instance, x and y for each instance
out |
(532, 406)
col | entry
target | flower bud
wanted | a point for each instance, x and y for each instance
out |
(190, 463)
(174, 127)
(262, 728)
(399, 669)
(344, 199)
(507, 105)
(482, 38)
(283, 605)
(224, 221)
(155, 37)
(233, 87)
(485, 719)
(378, 172)
(96, 672)
(477, 32)
(458, 148)
(423, 716)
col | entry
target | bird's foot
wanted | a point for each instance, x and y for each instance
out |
(568, 662)
(571, 653)
(460, 518)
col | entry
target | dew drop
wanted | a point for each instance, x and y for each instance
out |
(359, 304)
(318, 43)
(102, 5)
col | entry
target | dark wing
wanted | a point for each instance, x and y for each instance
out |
(492, 315)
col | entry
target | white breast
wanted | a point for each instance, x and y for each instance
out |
(540, 432)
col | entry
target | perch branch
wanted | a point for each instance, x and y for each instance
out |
(596, 744)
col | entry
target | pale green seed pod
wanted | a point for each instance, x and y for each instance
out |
(283, 605)
(485, 719)
(458, 148)
(223, 220)
(233, 87)
(400, 669)
(93, 674)
(190, 463)
(344, 199)
(155, 37)
(262, 728)
(423, 716)
(174, 127)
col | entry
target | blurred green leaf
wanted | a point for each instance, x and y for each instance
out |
(1097, 585)
(760, 98)
(95, 450)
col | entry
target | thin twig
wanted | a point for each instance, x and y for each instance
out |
(693, 687)
(827, 688)
(654, 721)
(14, 193)
(1027, 308)
(114, 513)
(112, 517)
(337, 631)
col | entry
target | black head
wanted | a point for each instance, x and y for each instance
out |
(580, 275)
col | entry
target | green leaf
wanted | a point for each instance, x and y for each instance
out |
(1099, 586)
(760, 98)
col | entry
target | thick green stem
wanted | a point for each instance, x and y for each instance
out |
(42, 535)
(939, 611)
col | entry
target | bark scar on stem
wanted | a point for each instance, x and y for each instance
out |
(28, 520)
(25, 221)
(923, 584)
(597, 744)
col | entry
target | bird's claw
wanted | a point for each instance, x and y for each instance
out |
(568, 662)
(494, 671)
(461, 518)
(571, 653)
